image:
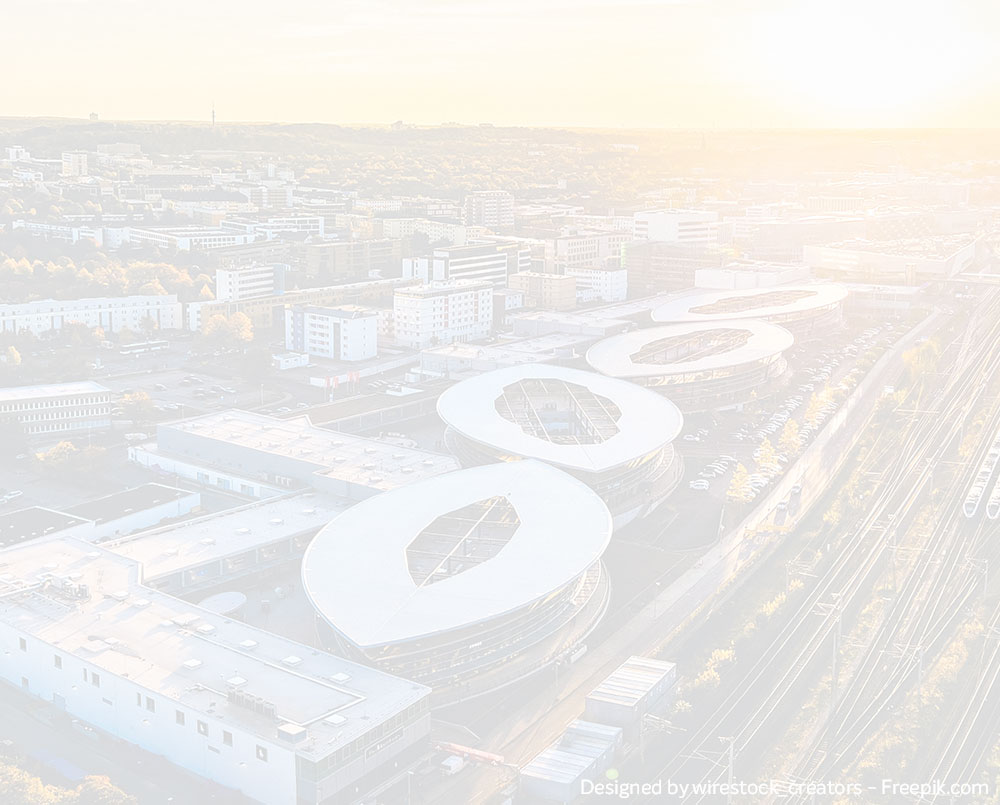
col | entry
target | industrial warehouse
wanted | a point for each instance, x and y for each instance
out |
(700, 367)
(614, 436)
(253, 711)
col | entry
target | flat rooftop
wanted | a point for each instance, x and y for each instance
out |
(361, 574)
(192, 543)
(632, 681)
(35, 521)
(186, 655)
(932, 247)
(128, 501)
(537, 349)
(342, 456)
(574, 753)
(45, 390)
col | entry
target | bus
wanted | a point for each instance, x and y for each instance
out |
(143, 346)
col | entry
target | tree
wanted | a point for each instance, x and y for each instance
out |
(814, 408)
(739, 485)
(767, 456)
(921, 360)
(12, 357)
(137, 406)
(232, 332)
(217, 329)
(790, 441)
(99, 791)
(149, 326)
(241, 327)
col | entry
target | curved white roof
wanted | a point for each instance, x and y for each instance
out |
(685, 308)
(648, 421)
(356, 570)
(614, 356)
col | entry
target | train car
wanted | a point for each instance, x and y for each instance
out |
(978, 488)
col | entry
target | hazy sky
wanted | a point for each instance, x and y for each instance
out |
(567, 62)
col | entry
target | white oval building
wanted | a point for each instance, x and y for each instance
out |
(613, 435)
(700, 367)
(467, 581)
(807, 311)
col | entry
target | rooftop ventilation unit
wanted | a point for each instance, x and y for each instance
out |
(192, 665)
(248, 645)
(292, 733)
(292, 661)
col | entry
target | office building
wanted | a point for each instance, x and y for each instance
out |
(586, 249)
(493, 209)
(74, 163)
(345, 333)
(260, 456)
(614, 436)
(678, 226)
(276, 720)
(348, 260)
(656, 267)
(698, 366)
(442, 312)
(600, 284)
(466, 582)
(913, 261)
(57, 409)
(806, 311)
(186, 239)
(493, 262)
(545, 291)
(249, 282)
(112, 314)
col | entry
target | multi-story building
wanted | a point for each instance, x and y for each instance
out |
(677, 226)
(604, 284)
(249, 282)
(186, 239)
(276, 720)
(348, 259)
(586, 249)
(74, 163)
(345, 333)
(261, 310)
(904, 262)
(57, 408)
(272, 226)
(492, 262)
(110, 313)
(442, 312)
(657, 266)
(454, 234)
(546, 291)
(493, 209)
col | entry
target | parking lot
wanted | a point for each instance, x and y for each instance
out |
(739, 454)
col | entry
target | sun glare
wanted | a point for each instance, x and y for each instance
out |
(851, 64)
